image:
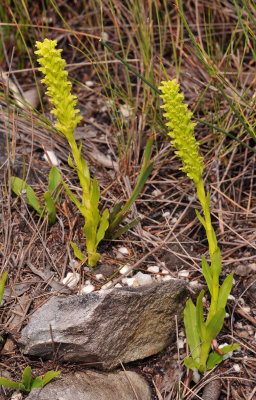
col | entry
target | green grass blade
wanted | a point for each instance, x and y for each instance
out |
(2, 285)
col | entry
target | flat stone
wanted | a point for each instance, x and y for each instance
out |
(106, 327)
(91, 385)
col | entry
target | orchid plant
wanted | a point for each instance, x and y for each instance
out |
(200, 332)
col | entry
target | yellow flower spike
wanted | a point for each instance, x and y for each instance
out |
(58, 86)
(181, 130)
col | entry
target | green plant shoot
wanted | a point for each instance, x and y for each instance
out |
(200, 331)
(27, 383)
(59, 91)
(50, 197)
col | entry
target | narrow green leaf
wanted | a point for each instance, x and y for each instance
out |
(207, 274)
(216, 263)
(139, 186)
(200, 315)
(50, 206)
(77, 252)
(113, 214)
(190, 363)
(2, 285)
(73, 198)
(215, 325)
(103, 227)
(95, 194)
(125, 228)
(18, 185)
(26, 378)
(54, 180)
(12, 384)
(192, 330)
(224, 291)
(200, 218)
(44, 379)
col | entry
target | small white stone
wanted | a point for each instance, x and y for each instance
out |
(246, 310)
(156, 192)
(106, 286)
(125, 269)
(16, 396)
(183, 273)
(166, 278)
(99, 276)
(87, 289)
(195, 375)
(126, 110)
(143, 279)
(51, 155)
(128, 281)
(193, 283)
(166, 214)
(71, 280)
(89, 83)
(174, 220)
(123, 250)
(153, 268)
(231, 297)
(237, 367)
(227, 315)
(105, 36)
(180, 343)
(118, 285)
(87, 282)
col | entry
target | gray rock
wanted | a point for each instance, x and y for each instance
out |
(91, 385)
(106, 327)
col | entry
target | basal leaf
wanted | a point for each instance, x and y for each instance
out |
(50, 206)
(207, 274)
(18, 185)
(44, 379)
(12, 384)
(190, 363)
(77, 252)
(224, 291)
(214, 359)
(192, 330)
(26, 378)
(54, 180)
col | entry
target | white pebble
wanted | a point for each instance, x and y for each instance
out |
(130, 281)
(118, 285)
(125, 269)
(71, 280)
(123, 250)
(227, 315)
(174, 220)
(180, 343)
(126, 110)
(16, 396)
(183, 273)
(237, 367)
(143, 279)
(106, 286)
(153, 268)
(105, 36)
(166, 214)
(166, 278)
(193, 283)
(87, 289)
(156, 192)
(89, 83)
(231, 297)
(196, 375)
(246, 310)
(99, 276)
(51, 155)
